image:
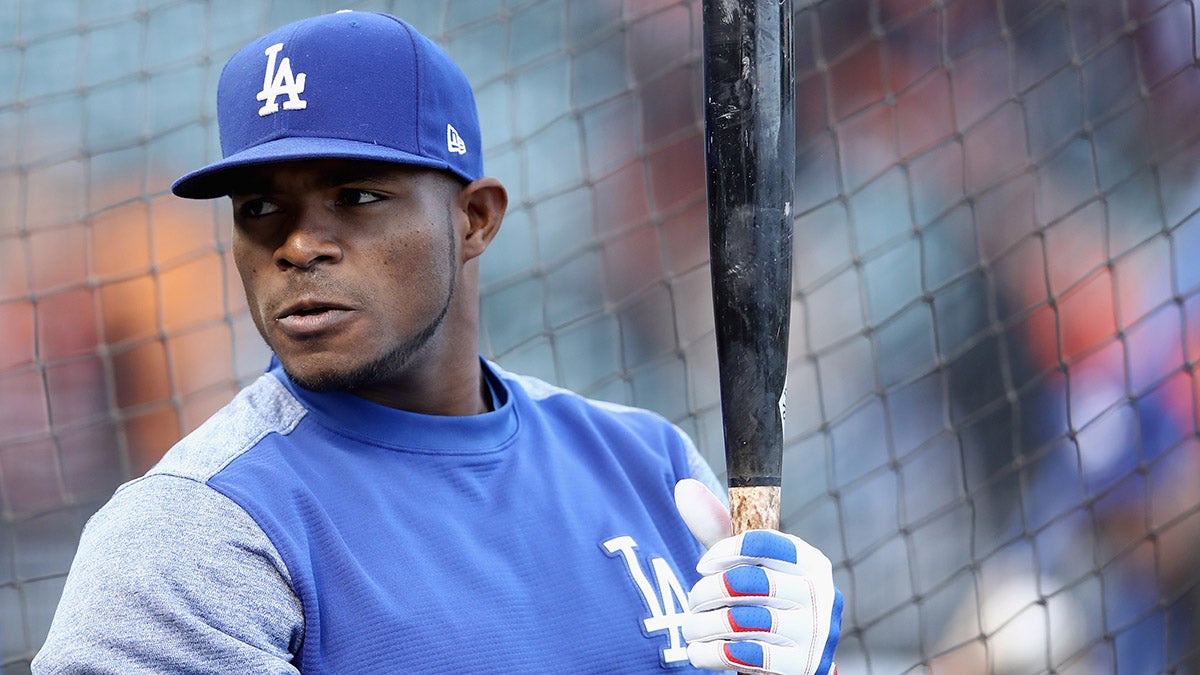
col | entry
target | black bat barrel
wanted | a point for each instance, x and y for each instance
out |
(750, 147)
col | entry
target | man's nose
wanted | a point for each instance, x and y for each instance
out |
(310, 241)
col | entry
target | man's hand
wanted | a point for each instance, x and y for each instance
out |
(766, 603)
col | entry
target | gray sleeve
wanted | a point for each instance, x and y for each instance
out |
(172, 576)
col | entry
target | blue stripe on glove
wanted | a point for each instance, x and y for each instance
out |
(767, 544)
(835, 630)
(750, 618)
(747, 654)
(746, 580)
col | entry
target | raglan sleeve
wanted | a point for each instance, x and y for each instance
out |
(172, 576)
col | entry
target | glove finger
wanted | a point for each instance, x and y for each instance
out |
(702, 511)
(812, 630)
(752, 657)
(749, 585)
(772, 626)
(766, 548)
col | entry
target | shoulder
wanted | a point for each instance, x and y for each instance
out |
(645, 423)
(160, 512)
(545, 395)
(160, 529)
(153, 576)
(173, 504)
(160, 557)
(262, 408)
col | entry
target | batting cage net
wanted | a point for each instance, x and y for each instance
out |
(992, 408)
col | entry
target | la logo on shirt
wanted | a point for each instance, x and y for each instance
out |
(665, 598)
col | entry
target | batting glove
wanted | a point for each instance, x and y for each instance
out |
(766, 603)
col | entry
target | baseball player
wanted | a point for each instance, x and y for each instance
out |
(383, 499)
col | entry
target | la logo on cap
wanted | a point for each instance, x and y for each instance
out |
(280, 82)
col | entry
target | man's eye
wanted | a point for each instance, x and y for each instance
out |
(357, 197)
(257, 208)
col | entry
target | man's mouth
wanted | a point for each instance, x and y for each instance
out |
(307, 311)
(311, 318)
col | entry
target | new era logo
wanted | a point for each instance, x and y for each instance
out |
(454, 142)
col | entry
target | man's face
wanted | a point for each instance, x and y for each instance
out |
(349, 267)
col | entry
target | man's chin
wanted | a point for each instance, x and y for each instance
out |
(319, 382)
(318, 385)
(312, 375)
(326, 378)
(325, 371)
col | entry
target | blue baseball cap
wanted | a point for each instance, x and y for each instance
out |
(350, 85)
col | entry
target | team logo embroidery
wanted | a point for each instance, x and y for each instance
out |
(280, 82)
(667, 606)
(454, 142)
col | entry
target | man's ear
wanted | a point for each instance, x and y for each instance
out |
(484, 202)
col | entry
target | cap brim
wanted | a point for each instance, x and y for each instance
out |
(214, 180)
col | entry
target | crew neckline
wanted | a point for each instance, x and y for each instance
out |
(358, 418)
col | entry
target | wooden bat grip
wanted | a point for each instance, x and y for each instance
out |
(754, 508)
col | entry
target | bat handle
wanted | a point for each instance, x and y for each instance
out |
(754, 508)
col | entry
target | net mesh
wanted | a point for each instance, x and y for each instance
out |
(992, 407)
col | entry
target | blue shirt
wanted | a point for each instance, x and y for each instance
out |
(540, 536)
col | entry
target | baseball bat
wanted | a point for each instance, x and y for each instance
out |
(750, 161)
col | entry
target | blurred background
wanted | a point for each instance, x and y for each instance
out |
(996, 296)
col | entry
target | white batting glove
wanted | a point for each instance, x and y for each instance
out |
(766, 603)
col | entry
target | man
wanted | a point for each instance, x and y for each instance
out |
(383, 499)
